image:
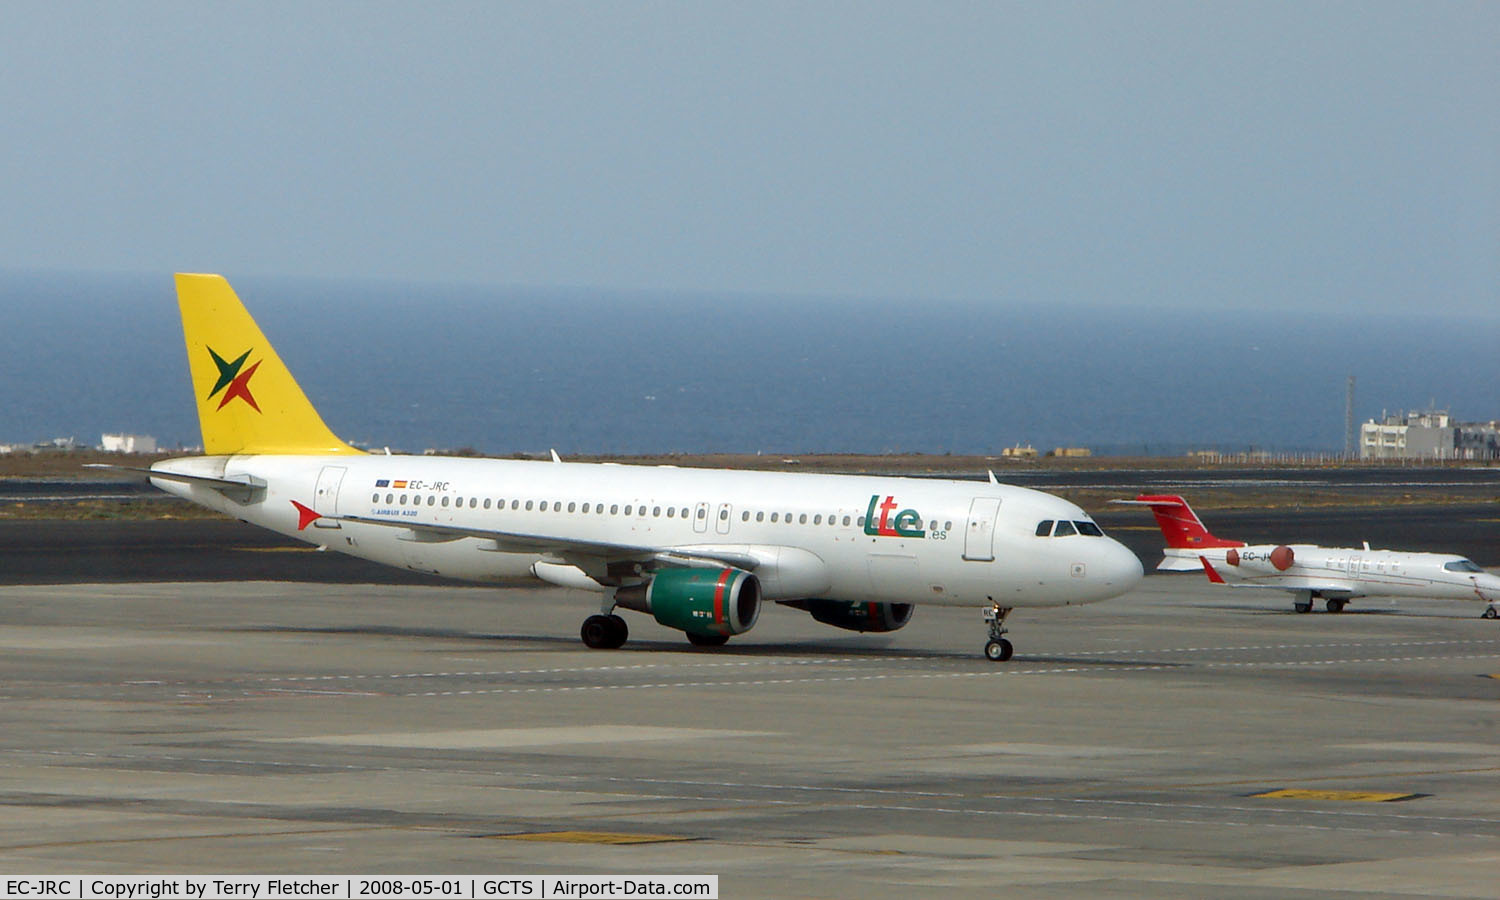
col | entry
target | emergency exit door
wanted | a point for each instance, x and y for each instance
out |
(326, 496)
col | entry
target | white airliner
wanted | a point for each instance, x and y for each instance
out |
(697, 549)
(1334, 574)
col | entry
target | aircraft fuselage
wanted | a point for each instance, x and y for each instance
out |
(1343, 572)
(857, 538)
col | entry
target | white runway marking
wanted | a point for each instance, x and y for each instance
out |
(680, 664)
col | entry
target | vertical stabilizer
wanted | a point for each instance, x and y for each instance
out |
(1179, 524)
(248, 402)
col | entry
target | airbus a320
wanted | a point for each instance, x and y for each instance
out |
(699, 550)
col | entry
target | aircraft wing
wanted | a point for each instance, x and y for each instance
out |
(567, 548)
(1291, 585)
(1297, 585)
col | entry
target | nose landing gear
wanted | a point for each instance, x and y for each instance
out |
(997, 648)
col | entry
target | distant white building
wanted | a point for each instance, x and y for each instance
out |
(1428, 435)
(127, 443)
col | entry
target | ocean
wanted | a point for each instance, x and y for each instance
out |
(506, 370)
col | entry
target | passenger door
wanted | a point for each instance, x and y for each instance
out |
(979, 535)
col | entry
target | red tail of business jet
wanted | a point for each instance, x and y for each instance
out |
(1179, 524)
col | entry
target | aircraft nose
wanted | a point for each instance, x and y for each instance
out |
(1118, 570)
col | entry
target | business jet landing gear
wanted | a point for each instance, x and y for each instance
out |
(1490, 612)
(1335, 605)
(997, 648)
(1302, 601)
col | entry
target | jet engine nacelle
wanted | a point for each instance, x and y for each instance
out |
(852, 616)
(698, 601)
(1279, 558)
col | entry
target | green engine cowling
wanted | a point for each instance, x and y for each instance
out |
(853, 616)
(698, 601)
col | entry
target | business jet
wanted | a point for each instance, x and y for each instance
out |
(1335, 575)
(698, 550)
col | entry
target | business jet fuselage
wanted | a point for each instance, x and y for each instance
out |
(1335, 575)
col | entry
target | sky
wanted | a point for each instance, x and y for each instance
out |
(1276, 156)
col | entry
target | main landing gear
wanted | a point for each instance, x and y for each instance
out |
(1490, 612)
(1302, 602)
(997, 648)
(604, 632)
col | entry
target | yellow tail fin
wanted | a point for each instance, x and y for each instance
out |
(248, 401)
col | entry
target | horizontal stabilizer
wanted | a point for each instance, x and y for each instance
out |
(241, 488)
(1179, 564)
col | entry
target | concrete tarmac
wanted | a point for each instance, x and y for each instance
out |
(1130, 749)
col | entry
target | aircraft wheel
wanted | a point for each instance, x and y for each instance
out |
(618, 632)
(1336, 606)
(1490, 613)
(707, 640)
(998, 650)
(1302, 607)
(598, 633)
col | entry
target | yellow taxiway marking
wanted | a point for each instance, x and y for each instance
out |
(592, 837)
(1351, 796)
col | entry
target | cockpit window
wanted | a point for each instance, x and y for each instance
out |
(1064, 529)
(1089, 528)
(1044, 528)
(1461, 565)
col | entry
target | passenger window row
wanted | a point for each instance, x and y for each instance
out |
(597, 509)
(630, 509)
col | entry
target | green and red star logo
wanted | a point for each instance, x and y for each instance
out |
(232, 381)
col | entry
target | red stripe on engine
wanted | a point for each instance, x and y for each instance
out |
(724, 577)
